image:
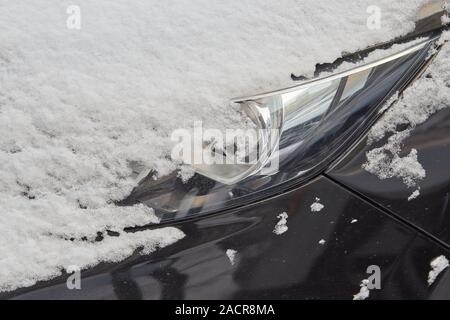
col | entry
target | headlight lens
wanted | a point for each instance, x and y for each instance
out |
(300, 131)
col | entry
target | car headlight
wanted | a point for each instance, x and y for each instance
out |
(300, 131)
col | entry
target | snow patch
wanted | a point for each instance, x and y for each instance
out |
(438, 265)
(389, 103)
(281, 227)
(386, 162)
(414, 195)
(185, 173)
(47, 255)
(426, 96)
(231, 255)
(364, 291)
(317, 206)
(445, 19)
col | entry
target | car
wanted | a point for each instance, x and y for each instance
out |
(336, 206)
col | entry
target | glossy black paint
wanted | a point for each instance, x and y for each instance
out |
(431, 210)
(268, 266)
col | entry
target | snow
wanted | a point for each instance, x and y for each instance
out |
(317, 206)
(231, 254)
(445, 19)
(281, 226)
(53, 254)
(414, 195)
(81, 109)
(438, 265)
(386, 161)
(185, 173)
(426, 96)
(364, 291)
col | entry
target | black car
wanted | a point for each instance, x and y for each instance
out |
(328, 223)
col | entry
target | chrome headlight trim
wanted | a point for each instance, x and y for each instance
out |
(340, 75)
(360, 94)
(301, 106)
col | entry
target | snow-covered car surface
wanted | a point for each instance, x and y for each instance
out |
(78, 106)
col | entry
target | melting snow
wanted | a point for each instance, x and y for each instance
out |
(55, 253)
(438, 265)
(317, 206)
(231, 255)
(364, 292)
(446, 18)
(423, 98)
(185, 173)
(281, 227)
(414, 195)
